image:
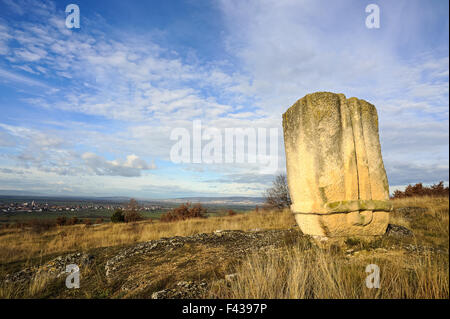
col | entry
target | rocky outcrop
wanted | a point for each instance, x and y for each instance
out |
(183, 290)
(238, 243)
(53, 269)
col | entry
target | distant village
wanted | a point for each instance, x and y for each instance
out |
(36, 207)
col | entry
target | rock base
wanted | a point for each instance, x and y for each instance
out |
(356, 223)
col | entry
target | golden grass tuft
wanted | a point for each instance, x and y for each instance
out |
(314, 272)
(293, 273)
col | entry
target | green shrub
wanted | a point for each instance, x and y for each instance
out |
(118, 216)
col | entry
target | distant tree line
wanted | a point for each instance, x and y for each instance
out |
(420, 190)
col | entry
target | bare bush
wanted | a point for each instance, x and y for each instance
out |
(132, 212)
(61, 220)
(277, 197)
(231, 212)
(132, 216)
(183, 212)
(41, 225)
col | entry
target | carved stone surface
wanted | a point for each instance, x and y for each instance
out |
(336, 176)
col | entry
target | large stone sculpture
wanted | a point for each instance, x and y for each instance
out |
(336, 177)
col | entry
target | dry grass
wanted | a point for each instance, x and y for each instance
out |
(430, 227)
(317, 273)
(16, 244)
(312, 272)
(299, 270)
(34, 289)
(38, 284)
(431, 203)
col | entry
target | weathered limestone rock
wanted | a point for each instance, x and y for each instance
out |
(336, 177)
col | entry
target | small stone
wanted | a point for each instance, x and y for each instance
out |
(231, 277)
(398, 231)
(320, 238)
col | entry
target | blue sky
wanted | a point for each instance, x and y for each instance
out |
(90, 111)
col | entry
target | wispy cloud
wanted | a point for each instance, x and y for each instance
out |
(18, 78)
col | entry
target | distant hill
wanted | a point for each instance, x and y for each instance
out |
(7, 192)
(232, 200)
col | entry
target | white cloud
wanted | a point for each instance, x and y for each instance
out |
(132, 166)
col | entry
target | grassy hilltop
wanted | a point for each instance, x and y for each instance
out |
(271, 259)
